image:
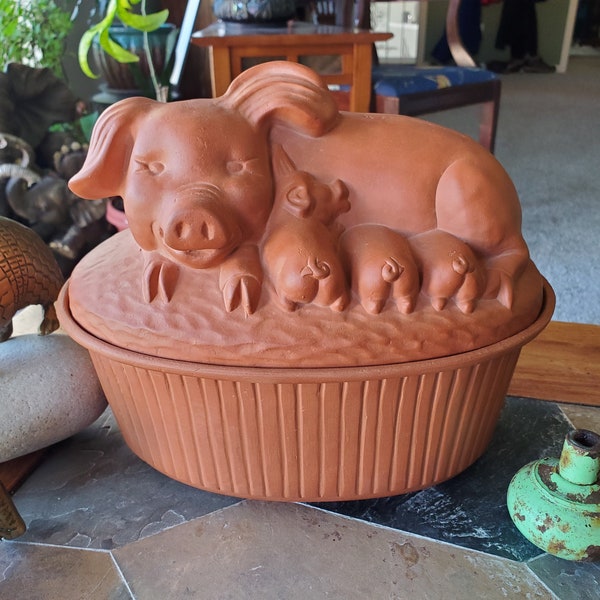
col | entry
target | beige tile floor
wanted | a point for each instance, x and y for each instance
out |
(204, 546)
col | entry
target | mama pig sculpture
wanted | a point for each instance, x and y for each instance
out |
(198, 182)
(309, 305)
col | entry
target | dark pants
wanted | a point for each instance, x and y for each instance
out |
(518, 28)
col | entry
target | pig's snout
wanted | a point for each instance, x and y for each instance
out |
(199, 221)
(194, 229)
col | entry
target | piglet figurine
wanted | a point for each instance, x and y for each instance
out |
(299, 250)
(449, 269)
(381, 265)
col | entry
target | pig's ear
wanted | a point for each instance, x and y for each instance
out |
(298, 202)
(103, 171)
(283, 92)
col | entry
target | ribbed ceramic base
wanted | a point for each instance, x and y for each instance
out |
(307, 434)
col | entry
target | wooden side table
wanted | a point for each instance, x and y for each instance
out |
(230, 44)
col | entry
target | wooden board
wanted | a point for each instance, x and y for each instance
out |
(14, 472)
(561, 364)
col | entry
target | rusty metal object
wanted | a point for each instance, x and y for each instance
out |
(11, 524)
(29, 274)
(555, 503)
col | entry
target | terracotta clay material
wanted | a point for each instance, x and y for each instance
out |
(308, 304)
(307, 434)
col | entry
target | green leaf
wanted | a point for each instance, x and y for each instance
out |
(115, 50)
(144, 22)
(85, 43)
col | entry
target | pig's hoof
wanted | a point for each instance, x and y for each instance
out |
(500, 286)
(373, 306)
(439, 303)
(50, 322)
(340, 304)
(160, 280)
(243, 291)
(405, 305)
(467, 306)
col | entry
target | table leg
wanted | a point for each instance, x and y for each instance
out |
(220, 70)
(360, 94)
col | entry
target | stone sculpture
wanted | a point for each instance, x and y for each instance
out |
(41, 147)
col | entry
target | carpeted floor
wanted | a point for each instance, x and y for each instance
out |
(549, 142)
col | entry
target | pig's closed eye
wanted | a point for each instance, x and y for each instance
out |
(152, 167)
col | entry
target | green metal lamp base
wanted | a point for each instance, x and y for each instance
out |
(555, 503)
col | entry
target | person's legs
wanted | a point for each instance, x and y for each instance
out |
(518, 30)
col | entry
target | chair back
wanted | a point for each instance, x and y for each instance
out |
(459, 53)
(357, 13)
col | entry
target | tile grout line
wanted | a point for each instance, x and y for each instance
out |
(538, 578)
(121, 575)
(423, 537)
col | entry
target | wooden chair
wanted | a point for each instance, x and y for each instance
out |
(412, 90)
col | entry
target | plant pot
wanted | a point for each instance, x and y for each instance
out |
(128, 79)
(307, 434)
(254, 11)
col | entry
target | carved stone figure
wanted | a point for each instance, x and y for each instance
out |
(29, 274)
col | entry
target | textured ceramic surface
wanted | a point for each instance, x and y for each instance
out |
(307, 434)
(269, 197)
(308, 304)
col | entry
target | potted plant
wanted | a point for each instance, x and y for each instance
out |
(22, 30)
(122, 38)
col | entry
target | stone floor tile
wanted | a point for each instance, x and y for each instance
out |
(470, 510)
(48, 573)
(275, 550)
(91, 491)
(569, 580)
(582, 417)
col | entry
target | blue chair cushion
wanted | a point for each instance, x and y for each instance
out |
(399, 80)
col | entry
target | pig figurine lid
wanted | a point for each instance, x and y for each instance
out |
(266, 228)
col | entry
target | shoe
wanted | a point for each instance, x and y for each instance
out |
(515, 65)
(534, 64)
